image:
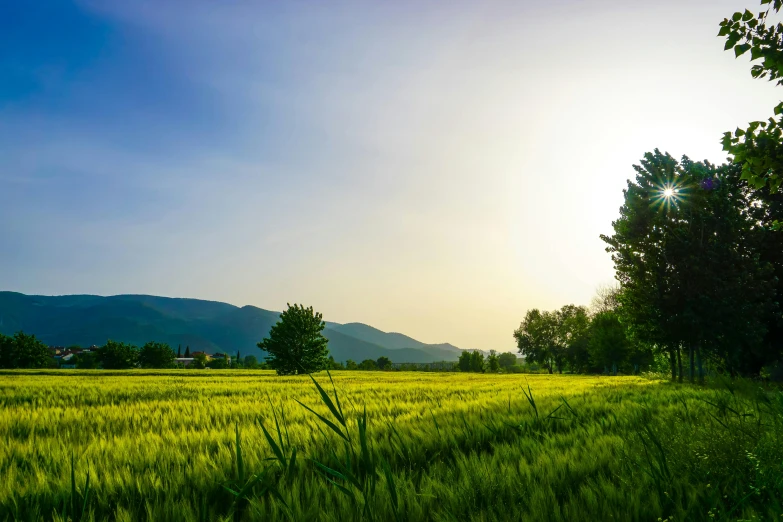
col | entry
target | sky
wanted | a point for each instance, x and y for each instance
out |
(431, 168)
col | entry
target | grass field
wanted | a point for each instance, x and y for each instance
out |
(163, 446)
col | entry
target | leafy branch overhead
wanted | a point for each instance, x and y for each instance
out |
(759, 147)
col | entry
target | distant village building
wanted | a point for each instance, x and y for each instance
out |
(222, 356)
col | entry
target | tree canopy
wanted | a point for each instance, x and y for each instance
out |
(686, 254)
(156, 355)
(118, 356)
(23, 351)
(296, 343)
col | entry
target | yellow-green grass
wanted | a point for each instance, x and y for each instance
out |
(447, 446)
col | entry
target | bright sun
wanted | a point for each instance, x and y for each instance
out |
(668, 192)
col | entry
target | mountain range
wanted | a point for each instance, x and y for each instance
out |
(208, 326)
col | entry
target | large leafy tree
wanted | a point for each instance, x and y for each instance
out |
(758, 147)
(507, 360)
(686, 256)
(367, 364)
(383, 363)
(608, 344)
(554, 338)
(296, 343)
(156, 355)
(118, 356)
(477, 362)
(573, 328)
(536, 339)
(463, 363)
(493, 361)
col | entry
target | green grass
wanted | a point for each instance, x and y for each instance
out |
(186, 445)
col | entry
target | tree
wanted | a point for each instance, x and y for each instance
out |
(199, 361)
(251, 362)
(331, 364)
(187, 351)
(179, 351)
(23, 351)
(464, 361)
(507, 360)
(606, 299)
(759, 147)
(218, 363)
(86, 360)
(535, 338)
(156, 355)
(295, 344)
(350, 364)
(118, 356)
(477, 362)
(573, 324)
(6, 346)
(686, 256)
(608, 345)
(383, 363)
(493, 362)
(368, 364)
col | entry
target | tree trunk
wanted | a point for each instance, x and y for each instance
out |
(679, 364)
(700, 367)
(673, 362)
(690, 357)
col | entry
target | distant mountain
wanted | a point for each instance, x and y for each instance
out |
(203, 325)
(396, 341)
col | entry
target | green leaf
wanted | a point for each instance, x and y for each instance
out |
(731, 42)
(736, 16)
(329, 404)
(86, 496)
(251, 483)
(326, 421)
(240, 460)
(741, 49)
(329, 470)
(724, 30)
(275, 448)
(747, 15)
(392, 487)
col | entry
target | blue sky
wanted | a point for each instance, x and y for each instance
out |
(430, 168)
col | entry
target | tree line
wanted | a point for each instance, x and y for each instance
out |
(582, 340)
(699, 264)
(697, 250)
(24, 351)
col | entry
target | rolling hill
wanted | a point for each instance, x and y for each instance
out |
(202, 325)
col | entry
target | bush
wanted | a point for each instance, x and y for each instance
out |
(368, 364)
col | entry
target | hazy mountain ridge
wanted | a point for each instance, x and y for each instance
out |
(203, 325)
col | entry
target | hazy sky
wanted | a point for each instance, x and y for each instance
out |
(434, 168)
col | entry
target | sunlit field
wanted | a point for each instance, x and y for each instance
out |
(163, 446)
